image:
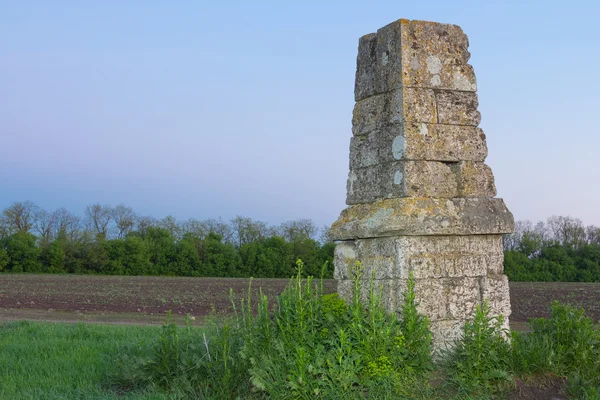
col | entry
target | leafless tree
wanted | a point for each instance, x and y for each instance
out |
(19, 217)
(142, 223)
(44, 223)
(220, 228)
(3, 230)
(124, 220)
(541, 229)
(512, 241)
(195, 227)
(325, 234)
(567, 230)
(298, 229)
(98, 218)
(592, 234)
(246, 230)
(170, 223)
(67, 225)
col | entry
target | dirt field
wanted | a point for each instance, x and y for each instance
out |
(146, 300)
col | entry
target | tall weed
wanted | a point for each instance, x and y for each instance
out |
(566, 344)
(480, 361)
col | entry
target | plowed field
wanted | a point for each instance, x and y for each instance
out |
(147, 300)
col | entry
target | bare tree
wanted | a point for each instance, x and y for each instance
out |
(325, 234)
(298, 229)
(170, 223)
(142, 223)
(245, 230)
(67, 225)
(195, 227)
(542, 230)
(512, 241)
(592, 234)
(44, 223)
(220, 228)
(124, 220)
(99, 218)
(567, 231)
(4, 231)
(19, 217)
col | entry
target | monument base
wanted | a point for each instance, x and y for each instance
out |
(453, 274)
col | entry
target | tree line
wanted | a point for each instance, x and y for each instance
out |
(561, 249)
(118, 241)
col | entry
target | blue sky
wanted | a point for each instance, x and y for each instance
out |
(207, 109)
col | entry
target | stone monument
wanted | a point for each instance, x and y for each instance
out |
(419, 195)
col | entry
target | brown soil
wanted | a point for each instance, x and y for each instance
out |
(544, 388)
(148, 299)
(119, 299)
(533, 299)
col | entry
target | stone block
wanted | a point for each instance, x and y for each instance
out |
(436, 142)
(377, 112)
(381, 181)
(377, 258)
(365, 67)
(449, 256)
(433, 179)
(436, 56)
(429, 179)
(457, 108)
(446, 333)
(495, 289)
(438, 299)
(427, 257)
(419, 105)
(387, 289)
(388, 53)
(445, 298)
(417, 142)
(401, 179)
(476, 180)
(344, 260)
(378, 147)
(423, 216)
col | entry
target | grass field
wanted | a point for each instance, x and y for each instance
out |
(63, 361)
(41, 360)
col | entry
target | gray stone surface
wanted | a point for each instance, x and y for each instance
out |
(436, 56)
(476, 180)
(457, 108)
(365, 67)
(421, 199)
(425, 256)
(441, 299)
(423, 216)
(436, 142)
(417, 142)
(433, 179)
(413, 54)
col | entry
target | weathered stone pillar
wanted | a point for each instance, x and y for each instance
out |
(420, 197)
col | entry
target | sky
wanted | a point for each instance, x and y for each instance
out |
(216, 109)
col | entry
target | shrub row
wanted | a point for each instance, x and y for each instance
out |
(315, 346)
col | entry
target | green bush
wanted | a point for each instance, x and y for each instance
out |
(566, 344)
(316, 346)
(309, 345)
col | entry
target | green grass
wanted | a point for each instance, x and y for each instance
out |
(309, 346)
(64, 361)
